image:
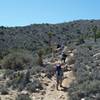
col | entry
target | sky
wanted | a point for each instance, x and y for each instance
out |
(26, 12)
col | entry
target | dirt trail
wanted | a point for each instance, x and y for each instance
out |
(62, 94)
(53, 94)
(50, 92)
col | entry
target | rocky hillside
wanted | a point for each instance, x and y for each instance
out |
(34, 83)
(22, 78)
(35, 36)
(81, 75)
(87, 72)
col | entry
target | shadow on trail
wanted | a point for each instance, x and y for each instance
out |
(64, 89)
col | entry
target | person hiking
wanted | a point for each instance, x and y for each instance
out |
(63, 58)
(64, 53)
(58, 45)
(59, 74)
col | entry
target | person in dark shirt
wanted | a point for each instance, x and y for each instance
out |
(59, 75)
(63, 58)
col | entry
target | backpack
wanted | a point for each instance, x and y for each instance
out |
(59, 70)
(64, 55)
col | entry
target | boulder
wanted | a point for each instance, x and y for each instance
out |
(71, 60)
(4, 91)
(24, 92)
(43, 75)
(97, 55)
(71, 54)
(98, 96)
(34, 86)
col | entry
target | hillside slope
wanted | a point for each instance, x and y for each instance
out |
(35, 36)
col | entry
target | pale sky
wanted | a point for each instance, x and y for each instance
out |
(25, 12)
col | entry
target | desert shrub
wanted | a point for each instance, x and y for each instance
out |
(89, 47)
(3, 90)
(47, 50)
(85, 89)
(98, 34)
(22, 80)
(9, 73)
(80, 40)
(17, 60)
(2, 71)
(87, 75)
(37, 69)
(40, 53)
(50, 71)
(23, 97)
(3, 53)
(34, 86)
(18, 80)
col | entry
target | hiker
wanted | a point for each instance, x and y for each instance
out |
(64, 53)
(58, 46)
(62, 46)
(59, 74)
(63, 58)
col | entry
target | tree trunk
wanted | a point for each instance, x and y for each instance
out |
(94, 37)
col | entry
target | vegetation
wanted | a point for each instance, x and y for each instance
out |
(80, 40)
(87, 75)
(94, 31)
(40, 58)
(35, 36)
(98, 34)
(17, 60)
(23, 97)
(50, 34)
(22, 52)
